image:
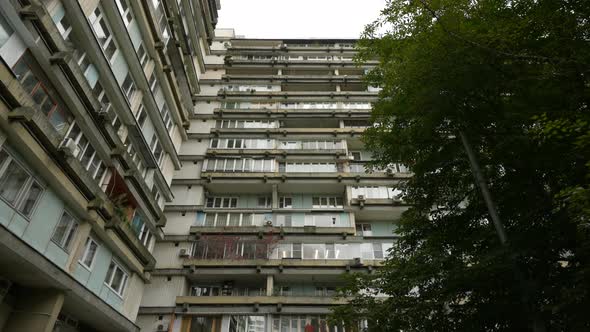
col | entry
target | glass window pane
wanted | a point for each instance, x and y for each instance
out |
(31, 198)
(90, 252)
(117, 283)
(12, 182)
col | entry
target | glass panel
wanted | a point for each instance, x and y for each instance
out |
(31, 198)
(59, 234)
(91, 248)
(12, 182)
(118, 279)
(234, 219)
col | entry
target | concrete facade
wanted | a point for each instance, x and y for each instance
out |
(95, 103)
(273, 203)
(157, 174)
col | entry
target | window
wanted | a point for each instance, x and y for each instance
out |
(5, 31)
(142, 55)
(156, 149)
(63, 26)
(85, 153)
(161, 19)
(372, 192)
(128, 86)
(232, 219)
(239, 165)
(116, 278)
(289, 250)
(125, 11)
(103, 34)
(141, 229)
(367, 250)
(43, 98)
(327, 202)
(264, 202)
(153, 82)
(141, 116)
(17, 187)
(356, 155)
(222, 202)
(165, 113)
(314, 251)
(90, 249)
(65, 231)
(285, 202)
(238, 143)
(309, 167)
(377, 251)
(364, 229)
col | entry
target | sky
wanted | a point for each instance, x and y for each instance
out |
(298, 18)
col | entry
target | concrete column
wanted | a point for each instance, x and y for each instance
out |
(347, 196)
(77, 246)
(275, 196)
(269, 284)
(35, 310)
(352, 221)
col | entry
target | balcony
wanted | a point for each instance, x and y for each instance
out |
(261, 300)
(126, 217)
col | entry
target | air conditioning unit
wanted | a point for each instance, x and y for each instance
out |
(361, 197)
(350, 157)
(357, 261)
(268, 223)
(69, 147)
(162, 327)
(182, 253)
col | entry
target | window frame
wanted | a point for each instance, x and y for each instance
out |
(283, 202)
(125, 13)
(108, 283)
(110, 39)
(23, 192)
(81, 261)
(69, 234)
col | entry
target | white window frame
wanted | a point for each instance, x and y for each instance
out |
(82, 151)
(145, 235)
(267, 201)
(221, 200)
(121, 291)
(286, 202)
(130, 90)
(104, 46)
(141, 116)
(69, 233)
(328, 202)
(24, 191)
(363, 230)
(126, 14)
(143, 56)
(87, 244)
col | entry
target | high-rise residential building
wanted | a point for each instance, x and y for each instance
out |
(95, 101)
(273, 202)
(157, 174)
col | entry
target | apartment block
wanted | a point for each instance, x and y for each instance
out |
(96, 100)
(274, 201)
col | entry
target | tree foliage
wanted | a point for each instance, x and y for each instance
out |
(512, 75)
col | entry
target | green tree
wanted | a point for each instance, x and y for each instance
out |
(512, 76)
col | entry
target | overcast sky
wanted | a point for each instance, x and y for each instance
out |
(298, 18)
